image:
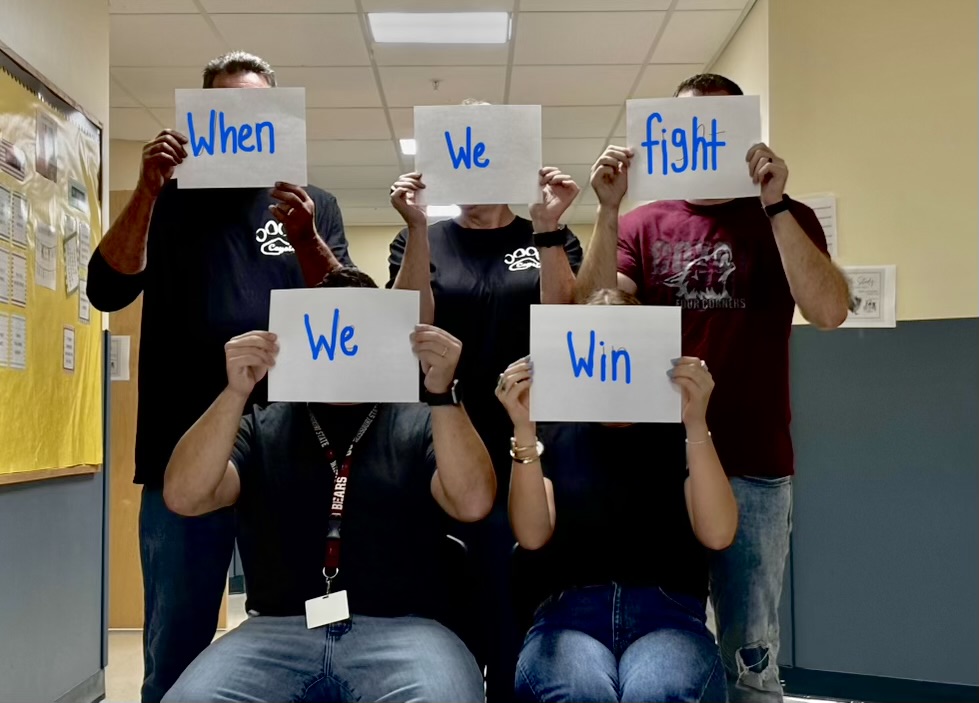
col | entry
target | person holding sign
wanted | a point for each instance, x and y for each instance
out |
(355, 493)
(207, 260)
(737, 267)
(615, 522)
(479, 274)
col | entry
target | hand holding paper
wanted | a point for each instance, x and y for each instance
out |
(690, 374)
(248, 357)
(558, 192)
(768, 171)
(610, 175)
(295, 210)
(160, 157)
(404, 198)
(438, 352)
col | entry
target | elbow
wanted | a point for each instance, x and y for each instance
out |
(831, 319)
(177, 499)
(721, 537)
(532, 542)
(478, 506)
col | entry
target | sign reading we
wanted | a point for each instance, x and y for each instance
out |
(692, 147)
(344, 345)
(604, 363)
(242, 137)
(478, 154)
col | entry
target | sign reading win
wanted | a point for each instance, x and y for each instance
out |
(242, 137)
(478, 154)
(604, 363)
(692, 147)
(344, 345)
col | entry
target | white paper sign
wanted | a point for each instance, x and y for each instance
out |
(604, 363)
(242, 137)
(478, 154)
(119, 357)
(68, 361)
(873, 296)
(18, 342)
(344, 345)
(689, 148)
(4, 339)
(84, 307)
(4, 277)
(824, 206)
(18, 288)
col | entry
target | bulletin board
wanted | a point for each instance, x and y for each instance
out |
(51, 365)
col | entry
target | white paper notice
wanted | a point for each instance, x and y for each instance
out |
(344, 345)
(597, 363)
(478, 154)
(825, 208)
(4, 339)
(18, 276)
(46, 257)
(692, 147)
(84, 249)
(84, 307)
(71, 264)
(18, 342)
(6, 214)
(68, 361)
(873, 296)
(4, 277)
(242, 138)
(21, 213)
(119, 358)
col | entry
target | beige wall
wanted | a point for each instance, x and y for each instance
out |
(124, 157)
(745, 59)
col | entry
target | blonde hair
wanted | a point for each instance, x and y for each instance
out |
(611, 296)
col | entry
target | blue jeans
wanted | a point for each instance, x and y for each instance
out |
(185, 572)
(746, 585)
(615, 643)
(362, 659)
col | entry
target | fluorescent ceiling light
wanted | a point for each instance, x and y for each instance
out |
(442, 211)
(440, 27)
(407, 147)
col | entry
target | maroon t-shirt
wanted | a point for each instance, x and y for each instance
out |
(721, 264)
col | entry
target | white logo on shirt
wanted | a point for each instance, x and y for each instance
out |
(272, 237)
(523, 259)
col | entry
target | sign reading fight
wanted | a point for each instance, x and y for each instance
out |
(344, 345)
(695, 147)
(478, 154)
(604, 363)
(242, 137)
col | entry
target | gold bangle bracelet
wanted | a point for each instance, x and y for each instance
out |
(514, 449)
(702, 441)
(525, 460)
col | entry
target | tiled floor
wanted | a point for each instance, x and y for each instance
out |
(124, 674)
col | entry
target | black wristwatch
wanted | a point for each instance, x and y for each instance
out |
(781, 206)
(550, 239)
(451, 397)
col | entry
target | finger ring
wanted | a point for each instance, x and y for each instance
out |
(444, 350)
(289, 214)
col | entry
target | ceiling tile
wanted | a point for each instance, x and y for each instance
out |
(333, 87)
(161, 40)
(367, 216)
(571, 85)
(549, 38)
(403, 119)
(132, 123)
(355, 177)
(437, 5)
(119, 96)
(165, 116)
(154, 86)
(441, 55)
(592, 5)
(660, 80)
(374, 152)
(346, 124)
(278, 6)
(574, 122)
(407, 86)
(362, 197)
(562, 152)
(156, 7)
(694, 37)
(712, 4)
(298, 40)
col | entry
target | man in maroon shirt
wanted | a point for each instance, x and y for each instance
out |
(737, 268)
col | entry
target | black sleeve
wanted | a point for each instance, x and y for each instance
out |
(396, 256)
(572, 247)
(109, 290)
(241, 453)
(329, 224)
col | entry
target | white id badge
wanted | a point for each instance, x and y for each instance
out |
(327, 610)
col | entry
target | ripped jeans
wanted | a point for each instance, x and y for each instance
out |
(746, 585)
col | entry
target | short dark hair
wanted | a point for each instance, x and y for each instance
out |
(347, 277)
(611, 296)
(238, 62)
(705, 83)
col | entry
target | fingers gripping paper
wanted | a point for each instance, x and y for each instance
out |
(242, 137)
(479, 154)
(596, 363)
(692, 147)
(344, 345)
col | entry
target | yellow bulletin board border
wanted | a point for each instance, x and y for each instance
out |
(79, 443)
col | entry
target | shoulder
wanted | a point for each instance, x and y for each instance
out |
(407, 416)
(274, 417)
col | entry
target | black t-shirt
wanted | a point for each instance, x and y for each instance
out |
(621, 512)
(212, 258)
(484, 282)
(393, 530)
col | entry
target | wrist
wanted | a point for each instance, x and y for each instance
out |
(237, 395)
(544, 224)
(144, 192)
(608, 209)
(697, 431)
(773, 199)
(525, 433)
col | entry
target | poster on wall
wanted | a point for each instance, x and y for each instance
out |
(873, 299)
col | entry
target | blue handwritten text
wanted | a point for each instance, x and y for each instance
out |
(694, 148)
(346, 336)
(237, 136)
(586, 364)
(467, 154)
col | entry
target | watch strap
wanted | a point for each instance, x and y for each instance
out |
(782, 205)
(550, 239)
(453, 396)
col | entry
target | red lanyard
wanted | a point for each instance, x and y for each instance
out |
(341, 477)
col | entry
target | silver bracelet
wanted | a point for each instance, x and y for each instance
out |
(702, 441)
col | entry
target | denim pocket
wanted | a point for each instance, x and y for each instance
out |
(549, 601)
(690, 605)
(767, 481)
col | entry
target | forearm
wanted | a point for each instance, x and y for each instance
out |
(818, 287)
(600, 266)
(416, 271)
(316, 259)
(714, 512)
(200, 460)
(124, 246)
(465, 475)
(557, 280)
(530, 514)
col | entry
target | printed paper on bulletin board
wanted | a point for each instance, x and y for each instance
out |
(50, 338)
